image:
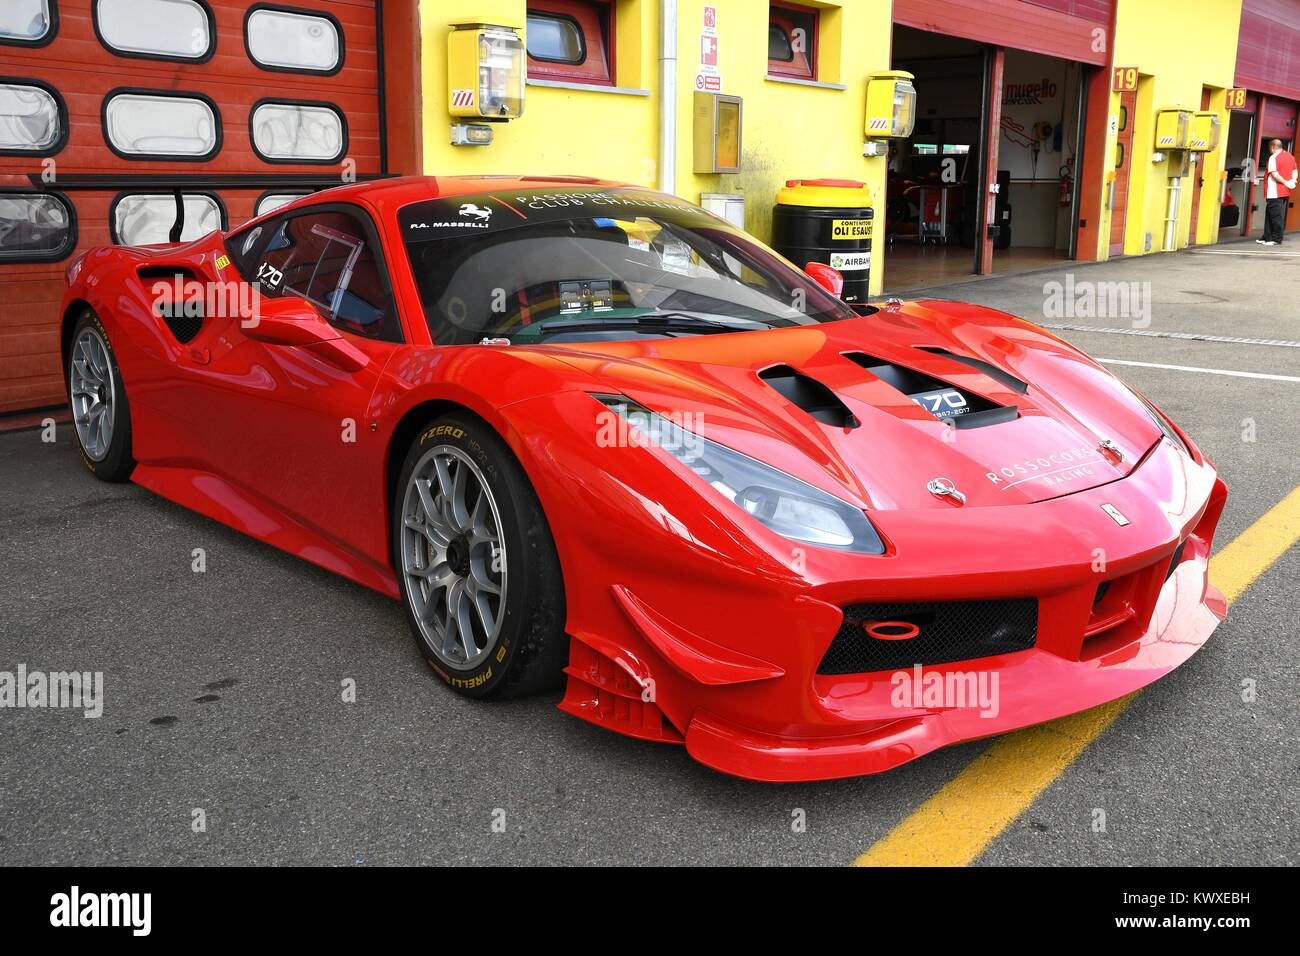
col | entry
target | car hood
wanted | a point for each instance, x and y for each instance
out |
(817, 402)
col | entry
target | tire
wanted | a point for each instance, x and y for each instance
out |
(448, 559)
(101, 414)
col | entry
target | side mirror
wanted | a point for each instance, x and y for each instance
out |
(826, 277)
(287, 321)
(294, 321)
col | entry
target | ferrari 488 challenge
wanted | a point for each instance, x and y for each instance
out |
(590, 435)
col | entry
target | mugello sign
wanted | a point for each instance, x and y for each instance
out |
(1028, 93)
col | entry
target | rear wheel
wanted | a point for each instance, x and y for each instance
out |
(98, 399)
(478, 570)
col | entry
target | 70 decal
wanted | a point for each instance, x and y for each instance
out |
(942, 404)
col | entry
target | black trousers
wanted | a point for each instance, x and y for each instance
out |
(1274, 219)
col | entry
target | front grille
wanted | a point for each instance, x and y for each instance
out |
(945, 632)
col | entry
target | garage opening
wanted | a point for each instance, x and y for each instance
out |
(1234, 215)
(981, 108)
(1277, 121)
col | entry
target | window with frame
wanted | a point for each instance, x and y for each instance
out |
(293, 40)
(571, 40)
(31, 118)
(328, 258)
(270, 202)
(289, 132)
(35, 227)
(26, 21)
(792, 41)
(156, 29)
(140, 219)
(145, 125)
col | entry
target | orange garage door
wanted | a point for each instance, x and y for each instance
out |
(114, 113)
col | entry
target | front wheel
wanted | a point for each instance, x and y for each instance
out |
(98, 399)
(479, 574)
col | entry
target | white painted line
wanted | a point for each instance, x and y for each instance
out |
(1208, 371)
(1258, 254)
(1186, 336)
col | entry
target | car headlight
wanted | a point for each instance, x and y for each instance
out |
(1161, 422)
(790, 507)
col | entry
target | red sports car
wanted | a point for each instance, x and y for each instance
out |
(590, 434)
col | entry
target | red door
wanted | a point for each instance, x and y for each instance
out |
(236, 104)
(1121, 164)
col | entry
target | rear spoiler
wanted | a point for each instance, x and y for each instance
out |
(179, 184)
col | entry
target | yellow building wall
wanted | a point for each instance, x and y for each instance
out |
(573, 132)
(789, 131)
(1178, 46)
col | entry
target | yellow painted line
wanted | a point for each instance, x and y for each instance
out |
(954, 826)
(1235, 568)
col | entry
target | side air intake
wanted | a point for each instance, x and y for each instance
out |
(184, 319)
(810, 395)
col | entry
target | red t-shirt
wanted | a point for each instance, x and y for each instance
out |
(1284, 164)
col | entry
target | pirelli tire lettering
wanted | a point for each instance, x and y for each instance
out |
(442, 431)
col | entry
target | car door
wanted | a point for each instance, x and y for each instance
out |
(286, 425)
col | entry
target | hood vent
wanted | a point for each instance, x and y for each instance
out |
(810, 395)
(989, 369)
(945, 401)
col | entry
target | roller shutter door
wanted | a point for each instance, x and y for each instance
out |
(108, 108)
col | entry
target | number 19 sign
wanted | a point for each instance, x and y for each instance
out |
(1124, 79)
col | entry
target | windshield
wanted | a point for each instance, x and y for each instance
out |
(551, 265)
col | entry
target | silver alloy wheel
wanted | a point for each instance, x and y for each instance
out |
(452, 557)
(90, 378)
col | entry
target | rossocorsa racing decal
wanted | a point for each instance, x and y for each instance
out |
(507, 209)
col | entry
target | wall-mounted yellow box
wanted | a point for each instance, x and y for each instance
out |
(1173, 128)
(485, 71)
(716, 132)
(1206, 127)
(891, 105)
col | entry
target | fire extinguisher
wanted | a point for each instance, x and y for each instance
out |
(1067, 185)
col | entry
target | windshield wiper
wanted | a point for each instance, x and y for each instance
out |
(660, 321)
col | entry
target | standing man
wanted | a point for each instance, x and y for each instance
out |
(1281, 179)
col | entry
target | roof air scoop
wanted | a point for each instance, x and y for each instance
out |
(810, 395)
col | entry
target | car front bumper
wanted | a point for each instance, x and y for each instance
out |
(685, 631)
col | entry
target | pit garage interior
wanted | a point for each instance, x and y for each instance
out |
(979, 104)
